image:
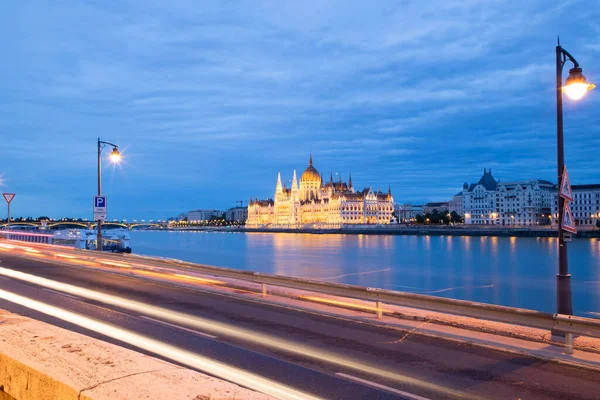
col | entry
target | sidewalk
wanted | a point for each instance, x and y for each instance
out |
(41, 361)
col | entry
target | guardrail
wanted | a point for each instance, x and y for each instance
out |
(567, 324)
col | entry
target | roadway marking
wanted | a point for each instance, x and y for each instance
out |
(62, 294)
(382, 387)
(179, 327)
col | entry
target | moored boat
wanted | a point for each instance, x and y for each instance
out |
(113, 240)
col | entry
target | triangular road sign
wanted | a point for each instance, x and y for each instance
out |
(568, 223)
(565, 186)
(8, 197)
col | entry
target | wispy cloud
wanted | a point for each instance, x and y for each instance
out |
(212, 99)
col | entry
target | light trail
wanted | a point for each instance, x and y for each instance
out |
(222, 329)
(383, 387)
(177, 354)
(136, 268)
(115, 264)
(199, 280)
(65, 256)
(340, 303)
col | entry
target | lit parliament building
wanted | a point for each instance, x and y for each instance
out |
(320, 204)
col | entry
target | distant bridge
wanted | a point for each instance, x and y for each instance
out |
(81, 225)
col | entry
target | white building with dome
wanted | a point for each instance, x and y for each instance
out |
(507, 203)
(315, 203)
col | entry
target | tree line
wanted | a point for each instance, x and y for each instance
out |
(440, 218)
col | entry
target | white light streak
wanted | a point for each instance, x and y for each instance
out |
(383, 387)
(190, 359)
(222, 329)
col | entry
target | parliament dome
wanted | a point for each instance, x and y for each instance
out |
(310, 174)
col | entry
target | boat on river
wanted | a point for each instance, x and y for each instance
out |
(113, 240)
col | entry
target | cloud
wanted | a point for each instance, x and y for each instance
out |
(211, 100)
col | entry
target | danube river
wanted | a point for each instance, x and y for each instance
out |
(518, 272)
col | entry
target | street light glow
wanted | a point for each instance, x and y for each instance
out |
(576, 91)
(115, 156)
(576, 85)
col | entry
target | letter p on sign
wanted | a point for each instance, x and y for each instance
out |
(100, 204)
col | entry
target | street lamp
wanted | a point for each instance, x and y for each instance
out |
(115, 157)
(576, 86)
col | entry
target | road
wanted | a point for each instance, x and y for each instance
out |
(416, 365)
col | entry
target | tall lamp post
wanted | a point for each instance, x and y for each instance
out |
(115, 157)
(576, 86)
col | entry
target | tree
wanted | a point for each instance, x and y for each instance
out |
(456, 218)
(598, 224)
(419, 218)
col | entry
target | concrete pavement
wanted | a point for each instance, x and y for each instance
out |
(41, 361)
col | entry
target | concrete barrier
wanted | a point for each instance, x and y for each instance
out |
(20, 381)
(39, 361)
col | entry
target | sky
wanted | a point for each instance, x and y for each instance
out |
(208, 101)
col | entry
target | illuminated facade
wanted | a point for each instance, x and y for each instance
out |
(585, 205)
(314, 203)
(510, 203)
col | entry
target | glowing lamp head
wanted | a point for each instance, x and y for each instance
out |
(115, 156)
(576, 85)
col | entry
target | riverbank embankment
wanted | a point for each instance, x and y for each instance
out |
(407, 230)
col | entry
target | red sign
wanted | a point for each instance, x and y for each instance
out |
(568, 223)
(8, 197)
(565, 186)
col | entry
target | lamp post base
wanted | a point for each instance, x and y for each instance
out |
(99, 243)
(564, 304)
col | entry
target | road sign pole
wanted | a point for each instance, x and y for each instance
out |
(8, 197)
(99, 221)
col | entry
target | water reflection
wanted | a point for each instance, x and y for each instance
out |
(510, 271)
(494, 245)
(304, 255)
(513, 244)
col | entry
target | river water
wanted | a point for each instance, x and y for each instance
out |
(517, 272)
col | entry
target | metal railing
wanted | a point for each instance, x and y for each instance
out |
(567, 324)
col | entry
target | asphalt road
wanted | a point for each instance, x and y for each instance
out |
(419, 361)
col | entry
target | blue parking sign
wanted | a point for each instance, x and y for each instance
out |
(100, 204)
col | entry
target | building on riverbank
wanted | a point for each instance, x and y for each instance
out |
(406, 213)
(510, 203)
(456, 204)
(316, 203)
(585, 205)
(440, 206)
(203, 215)
(239, 214)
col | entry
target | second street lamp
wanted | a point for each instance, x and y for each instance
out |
(575, 87)
(115, 157)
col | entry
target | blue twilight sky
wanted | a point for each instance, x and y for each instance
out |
(209, 100)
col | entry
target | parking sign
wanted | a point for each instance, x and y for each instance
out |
(100, 204)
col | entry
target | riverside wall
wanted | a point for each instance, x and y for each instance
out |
(419, 230)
